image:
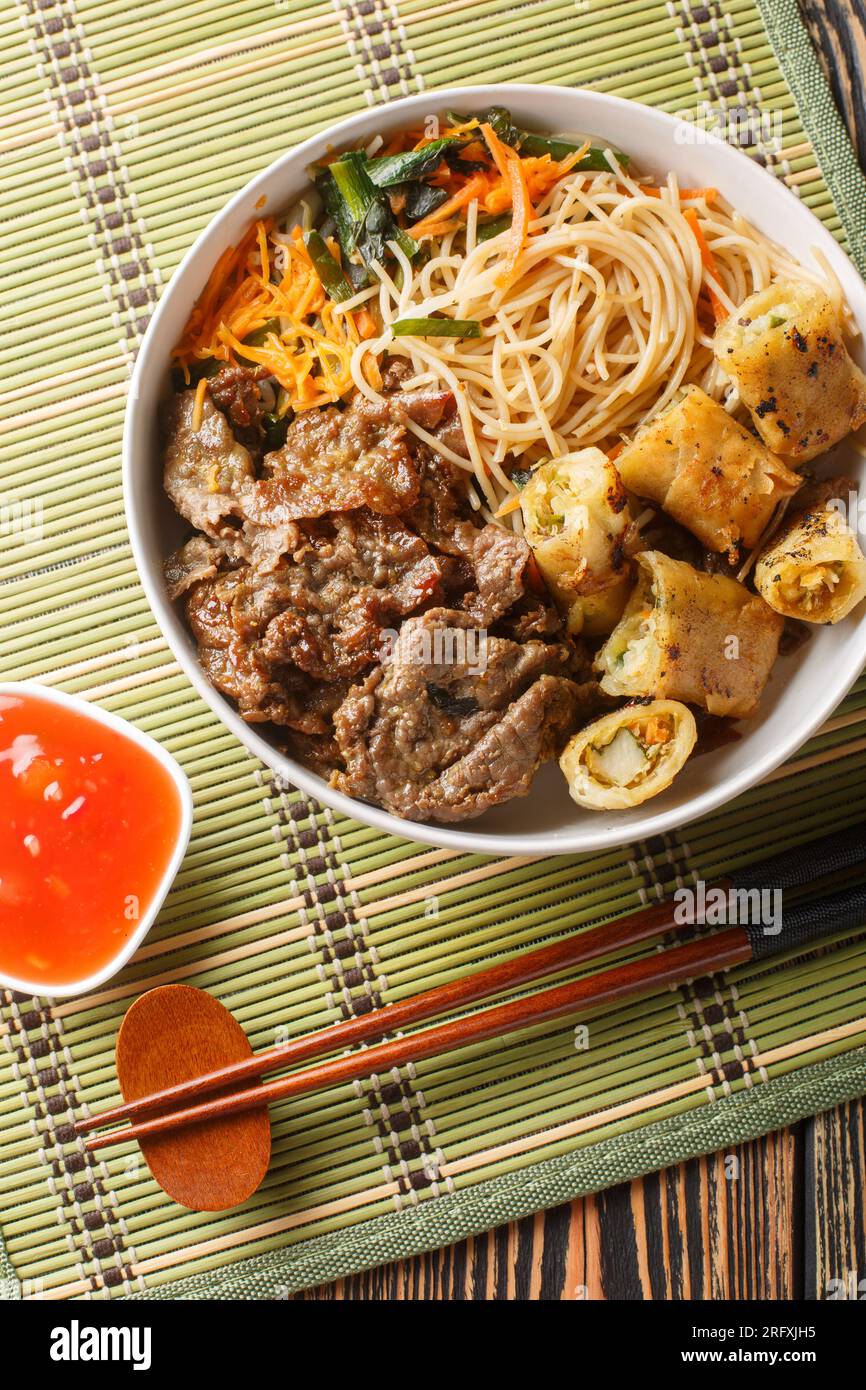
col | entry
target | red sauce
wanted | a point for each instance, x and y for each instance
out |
(88, 824)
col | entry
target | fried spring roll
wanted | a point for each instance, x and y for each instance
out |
(783, 349)
(814, 569)
(628, 756)
(576, 518)
(686, 635)
(707, 472)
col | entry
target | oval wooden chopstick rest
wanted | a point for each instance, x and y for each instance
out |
(172, 1034)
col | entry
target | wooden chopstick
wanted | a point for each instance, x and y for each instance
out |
(792, 869)
(480, 984)
(648, 973)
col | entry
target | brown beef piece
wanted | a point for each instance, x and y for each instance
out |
(226, 615)
(235, 391)
(443, 497)
(337, 460)
(198, 559)
(204, 471)
(492, 560)
(428, 737)
(270, 638)
(355, 574)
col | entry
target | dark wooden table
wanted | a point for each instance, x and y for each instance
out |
(776, 1219)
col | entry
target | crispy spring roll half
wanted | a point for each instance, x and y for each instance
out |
(576, 518)
(686, 635)
(814, 569)
(628, 756)
(707, 472)
(784, 351)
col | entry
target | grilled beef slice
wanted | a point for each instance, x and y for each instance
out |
(430, 736)
(318, 613)
(205, 470)
(336, 460)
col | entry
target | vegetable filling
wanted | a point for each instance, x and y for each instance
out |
(631, 754)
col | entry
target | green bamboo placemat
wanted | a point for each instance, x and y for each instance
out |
(124, 129)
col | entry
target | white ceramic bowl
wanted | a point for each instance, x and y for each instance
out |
(178, 777)
(804, 688)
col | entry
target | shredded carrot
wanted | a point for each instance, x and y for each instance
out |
(471, 124)
(262, 238)
(510, 167)
(686, 195)
(720, 313)
(198, 405)
(615, 452)
(365, 323)
(534, 577)
(475, 187)
(501, 153)
(510, 505)
(656, 731)
(520, 220)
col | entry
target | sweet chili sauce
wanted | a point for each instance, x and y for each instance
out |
(88, 824)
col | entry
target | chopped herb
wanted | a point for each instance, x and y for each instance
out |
(492, 226)
(327, 268)
(360, 210)
(422, 199)
(452, 704)
(276, 428)
(437, 328)
(520, 476)
(393, 169)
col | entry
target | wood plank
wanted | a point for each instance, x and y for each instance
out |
(838, 29)
(835, 1227)
(725, 1226)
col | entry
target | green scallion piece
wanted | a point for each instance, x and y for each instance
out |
(259, 336)
(391, 169)
(328, 270)
(436, 328)
(485, 231)
(594, 161)
(354, 186)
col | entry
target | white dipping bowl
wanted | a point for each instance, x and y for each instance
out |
(46, 989)
(804, 688)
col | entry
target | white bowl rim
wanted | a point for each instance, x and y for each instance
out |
(150, 745)
(582, 839)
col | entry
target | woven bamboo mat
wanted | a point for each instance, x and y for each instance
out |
(124, 129)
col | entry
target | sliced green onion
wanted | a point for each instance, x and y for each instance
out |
(422, 199)
(485, 231)
(436, 328)
(327, 268)
(259, 336)
(361, 211)
(595, 159)
(408, 245)
(412, 164)
(558, 147)
(276, 428)
(353, 185)
(336, 209)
